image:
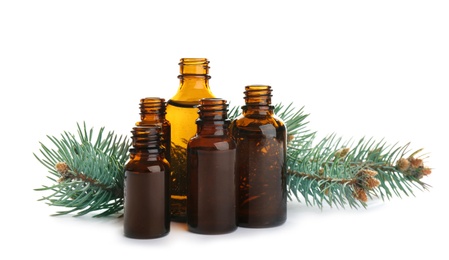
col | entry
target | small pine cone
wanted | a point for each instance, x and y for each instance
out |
(366, 173)
(369, 172)
(341, 153)
(416, 163)
(426, 171)
(360, 194)
(62, 168)
(372, 183)
(403, 164)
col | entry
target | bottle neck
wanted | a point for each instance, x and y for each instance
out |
(152, 111)
(258, 101)
(213, 128)
(213, 117)
(148, 119)
(194, 66)
(193, 80)
(147, 140)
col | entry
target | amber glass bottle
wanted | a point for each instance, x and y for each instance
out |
(146, 202)
(211, 154)
(261, 161)
(152, 112)
(182, 113)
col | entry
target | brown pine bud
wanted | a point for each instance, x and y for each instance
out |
(372, 182)
(369, 172)
(403, 164)
(341, 153)
(360, 194)
(426, 171)
(415, 162)
(62, 168)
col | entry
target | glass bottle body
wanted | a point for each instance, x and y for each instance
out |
(211, 155)
(182, 114)
(261, 161)
(146, 203)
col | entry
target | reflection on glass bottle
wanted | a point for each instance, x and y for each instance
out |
(261, 161)
(182, 114)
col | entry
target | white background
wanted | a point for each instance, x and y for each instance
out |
(360, 68)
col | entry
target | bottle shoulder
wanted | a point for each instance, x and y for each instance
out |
(259, 128)
(143, 165)
(223, 142)
(255, 121)
(187, 95)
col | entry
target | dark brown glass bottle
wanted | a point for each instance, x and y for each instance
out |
(261, 161)
(182, 113)
(211, 155)
(152, 112)
(146, 203)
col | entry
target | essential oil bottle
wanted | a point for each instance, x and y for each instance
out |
(261, 161)
(146, 201)
(182, 113)
(211, 175)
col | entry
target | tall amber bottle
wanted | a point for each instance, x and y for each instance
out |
(152, 112)
(146, 202)
(182, 113)
(211, 154)
(261, 161)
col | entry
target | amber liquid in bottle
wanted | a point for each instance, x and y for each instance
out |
(146, 201)
(211, 155)
(261, 161)
(182, 114)
(152, 112)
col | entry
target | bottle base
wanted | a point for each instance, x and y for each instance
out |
(139, 236)
(262, 225)
(211, 232)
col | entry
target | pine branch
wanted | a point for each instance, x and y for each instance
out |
(332, 173)
(87, 174)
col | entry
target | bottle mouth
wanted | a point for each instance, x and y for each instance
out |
(213, 109)
(258, 95)
(152, 106)
(152, 102)
(213, 104)
(194, 61)
(256, 90)
(194, 66)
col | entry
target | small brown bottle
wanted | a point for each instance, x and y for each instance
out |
(146, 202)
(182, 113)
(261, 161)
(211, 155)
(152, 112)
